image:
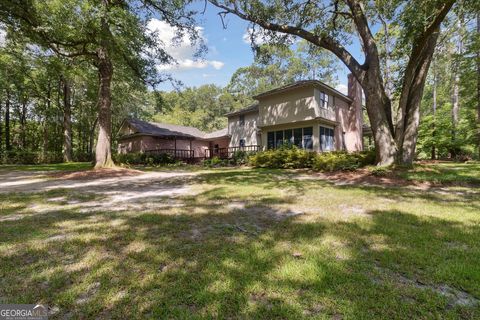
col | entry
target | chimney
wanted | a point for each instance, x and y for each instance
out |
(354, 127)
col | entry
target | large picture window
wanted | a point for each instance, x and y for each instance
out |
(302, 138)
(326, 139)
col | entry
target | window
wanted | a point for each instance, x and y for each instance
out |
(288, 137)
(297, 138)
(241, 119)
(326, 139)
(323, 100)
(307, 138)
(271, 140)
(344, 146)
(278, 139)
(242, 143)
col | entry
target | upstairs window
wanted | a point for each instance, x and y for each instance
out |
(242, 143)
(323, 100)
(241, 119)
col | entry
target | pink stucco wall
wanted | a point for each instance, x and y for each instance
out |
(142, 143)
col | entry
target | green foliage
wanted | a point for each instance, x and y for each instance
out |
(215, 162)
(285, 157)
(201, 107)
(344, 161)
(29, 157)
(276, 65)
(144, 159)
(293, 158)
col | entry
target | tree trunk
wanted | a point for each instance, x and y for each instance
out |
(8, 146)
(456, 89)
(67, 122)
(385, 147)
(1, 135)
(103, 154)
(434, 153)
(406, 132)
(478, 84)
(23, 124)
(92, 137)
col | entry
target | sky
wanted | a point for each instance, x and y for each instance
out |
(228, 50)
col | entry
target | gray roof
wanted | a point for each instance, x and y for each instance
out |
(217, 134)
(171, 130)
(303, 83)
(251, 108)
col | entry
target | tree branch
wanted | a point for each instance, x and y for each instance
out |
(324, 41)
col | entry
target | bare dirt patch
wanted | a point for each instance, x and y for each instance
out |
(96, 174)
(454, 296)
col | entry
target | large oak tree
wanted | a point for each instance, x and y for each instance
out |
(333, 24)
(105, 33)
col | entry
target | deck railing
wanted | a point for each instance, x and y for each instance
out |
(176, 153)
(226, 153)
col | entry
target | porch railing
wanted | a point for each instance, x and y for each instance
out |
(176, 153)
(226, 153)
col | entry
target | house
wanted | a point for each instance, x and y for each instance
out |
(181, 141)
(308, 114)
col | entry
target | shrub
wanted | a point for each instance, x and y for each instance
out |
(285, 157)
(239, 157)
(341, 160)
(144, 158)
(379, 171)
(215, 162)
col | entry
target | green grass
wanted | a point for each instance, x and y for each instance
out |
(69, 166)
(445, 173)
(229, 251)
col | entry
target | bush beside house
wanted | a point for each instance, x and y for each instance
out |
(294, 158)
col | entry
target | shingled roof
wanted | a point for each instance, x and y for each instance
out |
(170, 130)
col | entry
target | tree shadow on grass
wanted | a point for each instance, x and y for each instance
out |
(202, 257)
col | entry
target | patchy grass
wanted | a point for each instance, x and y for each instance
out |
(244, 243)
(445, 173)
(69, 166)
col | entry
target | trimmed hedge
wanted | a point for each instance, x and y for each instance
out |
(293, 158)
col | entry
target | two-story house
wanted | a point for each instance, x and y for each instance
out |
(308, 114)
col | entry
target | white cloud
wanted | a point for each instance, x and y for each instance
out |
(193, 64)
(260, 36)
(182, 49)
(342, 88)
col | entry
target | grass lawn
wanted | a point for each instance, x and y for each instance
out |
(70, 166)
(445, 173)
(243, 243)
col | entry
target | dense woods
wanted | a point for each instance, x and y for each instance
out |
(66, 84)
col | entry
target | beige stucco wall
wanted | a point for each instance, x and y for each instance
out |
(248, 131)
(287, 107)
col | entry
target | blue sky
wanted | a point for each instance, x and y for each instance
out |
(228, 50)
